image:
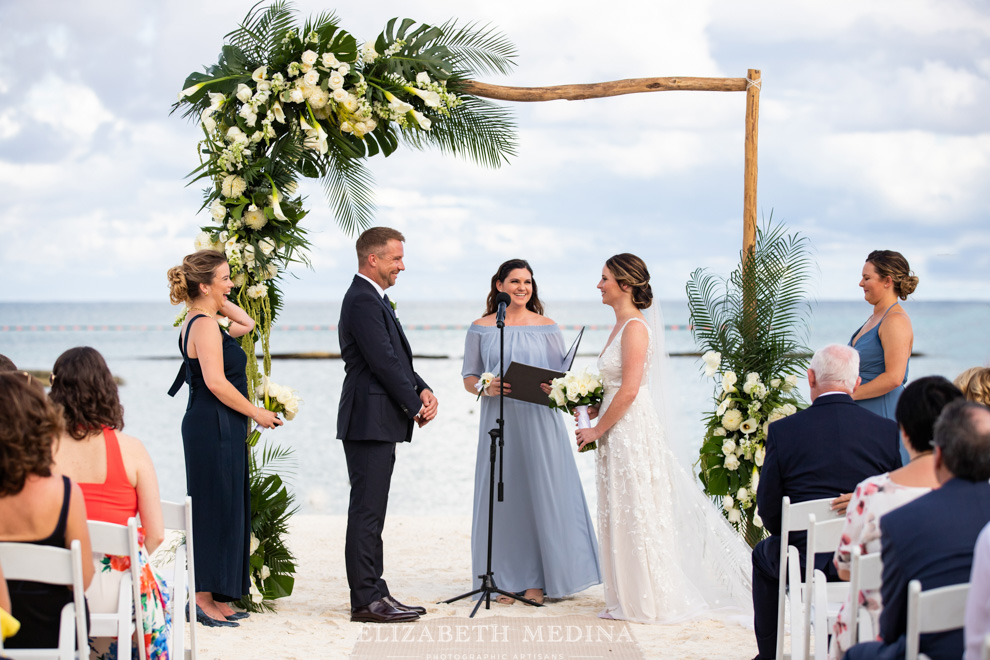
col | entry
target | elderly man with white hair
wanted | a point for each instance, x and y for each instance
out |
(822, 451)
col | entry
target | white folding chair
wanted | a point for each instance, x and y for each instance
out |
(182, 581)
(794, 518)
(823, 599)
(865, 573)
(50, 565)
(110, 539)
(986, 648)
(932, 611)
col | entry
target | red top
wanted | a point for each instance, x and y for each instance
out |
(115, 500)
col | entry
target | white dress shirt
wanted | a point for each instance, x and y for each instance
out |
(381, 291)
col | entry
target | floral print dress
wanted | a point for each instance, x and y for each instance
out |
(872, 498)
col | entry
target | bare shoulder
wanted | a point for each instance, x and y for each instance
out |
(485, 321)
(635, 334)
(131, 445)
(543, 320)
(897, 322)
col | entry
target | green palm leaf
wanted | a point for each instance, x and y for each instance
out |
(478, 50)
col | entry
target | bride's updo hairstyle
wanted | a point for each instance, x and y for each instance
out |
(197, 268)
(630, 272)
(893, 265)
(534, 304)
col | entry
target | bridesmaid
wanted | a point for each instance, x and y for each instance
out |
(543, 539)
(214, 433)
(885, 341)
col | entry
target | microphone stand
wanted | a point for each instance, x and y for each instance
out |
(488, 586)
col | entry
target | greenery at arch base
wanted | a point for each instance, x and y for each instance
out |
(289, 100)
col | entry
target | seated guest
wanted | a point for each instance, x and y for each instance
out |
(917, 409)
(822, 451)
(975, 384)
(117, 479)
(931, 539)
(6, 364)
(36, 506)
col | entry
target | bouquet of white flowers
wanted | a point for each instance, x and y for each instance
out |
(483, 382)
(278, 399)
(575, 391)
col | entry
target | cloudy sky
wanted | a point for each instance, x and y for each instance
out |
(873, 134)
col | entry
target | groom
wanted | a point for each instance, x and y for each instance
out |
(381, 398)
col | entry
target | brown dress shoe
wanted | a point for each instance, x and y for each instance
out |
(380, 611)
(406, 608)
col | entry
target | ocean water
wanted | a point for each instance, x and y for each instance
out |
(434, 474)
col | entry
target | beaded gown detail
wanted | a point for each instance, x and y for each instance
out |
(666, 552)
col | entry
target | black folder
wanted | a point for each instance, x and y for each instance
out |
(525, 379)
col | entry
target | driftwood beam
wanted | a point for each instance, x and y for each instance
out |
(603, 89)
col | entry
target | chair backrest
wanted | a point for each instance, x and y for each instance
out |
(794, 518)
(50, 565)
(182, 586)
(865, 573)
(986, 648)
(822, 537)
(122, 540)
(932, 611)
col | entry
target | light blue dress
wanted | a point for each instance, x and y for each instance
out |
(543, 535)
(871, 365)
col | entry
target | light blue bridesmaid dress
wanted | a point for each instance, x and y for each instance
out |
(871, 365)
(543, 535)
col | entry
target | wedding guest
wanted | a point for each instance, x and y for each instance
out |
(37, 506)
(543, 539)
(917, 409)
(975, 384)
(214, 431)
(117, 479)
(6, 364)
(885, 341)
(822, 451)
(932, 538)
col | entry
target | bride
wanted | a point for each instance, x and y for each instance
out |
(666, 552)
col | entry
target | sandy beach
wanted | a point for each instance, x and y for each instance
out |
(427, 559)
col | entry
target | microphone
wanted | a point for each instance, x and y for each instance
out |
(501, 300)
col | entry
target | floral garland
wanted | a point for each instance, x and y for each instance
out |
(287, 101)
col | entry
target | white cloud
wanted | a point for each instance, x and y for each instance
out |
(66, 107)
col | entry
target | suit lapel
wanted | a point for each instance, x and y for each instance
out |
(395, 320)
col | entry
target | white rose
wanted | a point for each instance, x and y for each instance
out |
(423, 78)
(742, 495)
(787, 409)
(731, 462)
(712, 360)
(232, 186)
(339, 95)
(291, 410)
(344, 68)
(308, 57)
(748, 426)
(775, 382)
(235, 135)
(330, 60)
(267, 246)
(759, 455)
(752, 377)
(265, 572)
(719, 431)
(728, 380)
(732, 419)
(728, 503)
(775, 415)
(218, 210)
(203, 241)
(336, 83)
(345, 127)
(257, 290)
(255, 218)
(248, 251)
(296, 96)
(790, 382)
(728, 447)
(244, 93)
(734, 516)
(558, 397)
(749, 386)
(271, 271)
(312, 78)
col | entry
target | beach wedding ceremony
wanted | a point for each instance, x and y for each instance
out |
(437, 330)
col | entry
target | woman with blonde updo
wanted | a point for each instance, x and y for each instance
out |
(975, 384)
(885, 341)
(666, 552)
(214, 431)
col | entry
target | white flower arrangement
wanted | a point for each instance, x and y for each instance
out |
(278, 399)
(483, 382)
(576, 390)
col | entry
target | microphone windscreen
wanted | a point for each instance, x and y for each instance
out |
(502, 297)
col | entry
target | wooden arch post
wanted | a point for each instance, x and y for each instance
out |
(750, 84)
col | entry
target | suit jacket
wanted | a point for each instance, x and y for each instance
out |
(380, 395)
(823, 451)
(930, 539)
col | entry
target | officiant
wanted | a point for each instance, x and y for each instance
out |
(543, 540)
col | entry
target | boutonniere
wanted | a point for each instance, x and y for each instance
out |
(393, 304)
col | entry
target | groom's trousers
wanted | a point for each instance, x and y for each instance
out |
(369, 467)
(766, 562)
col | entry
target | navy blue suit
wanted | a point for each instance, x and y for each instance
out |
(823, 451)
(378, 401)
(930, 539)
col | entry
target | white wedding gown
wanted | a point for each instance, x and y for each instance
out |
(667, 554)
